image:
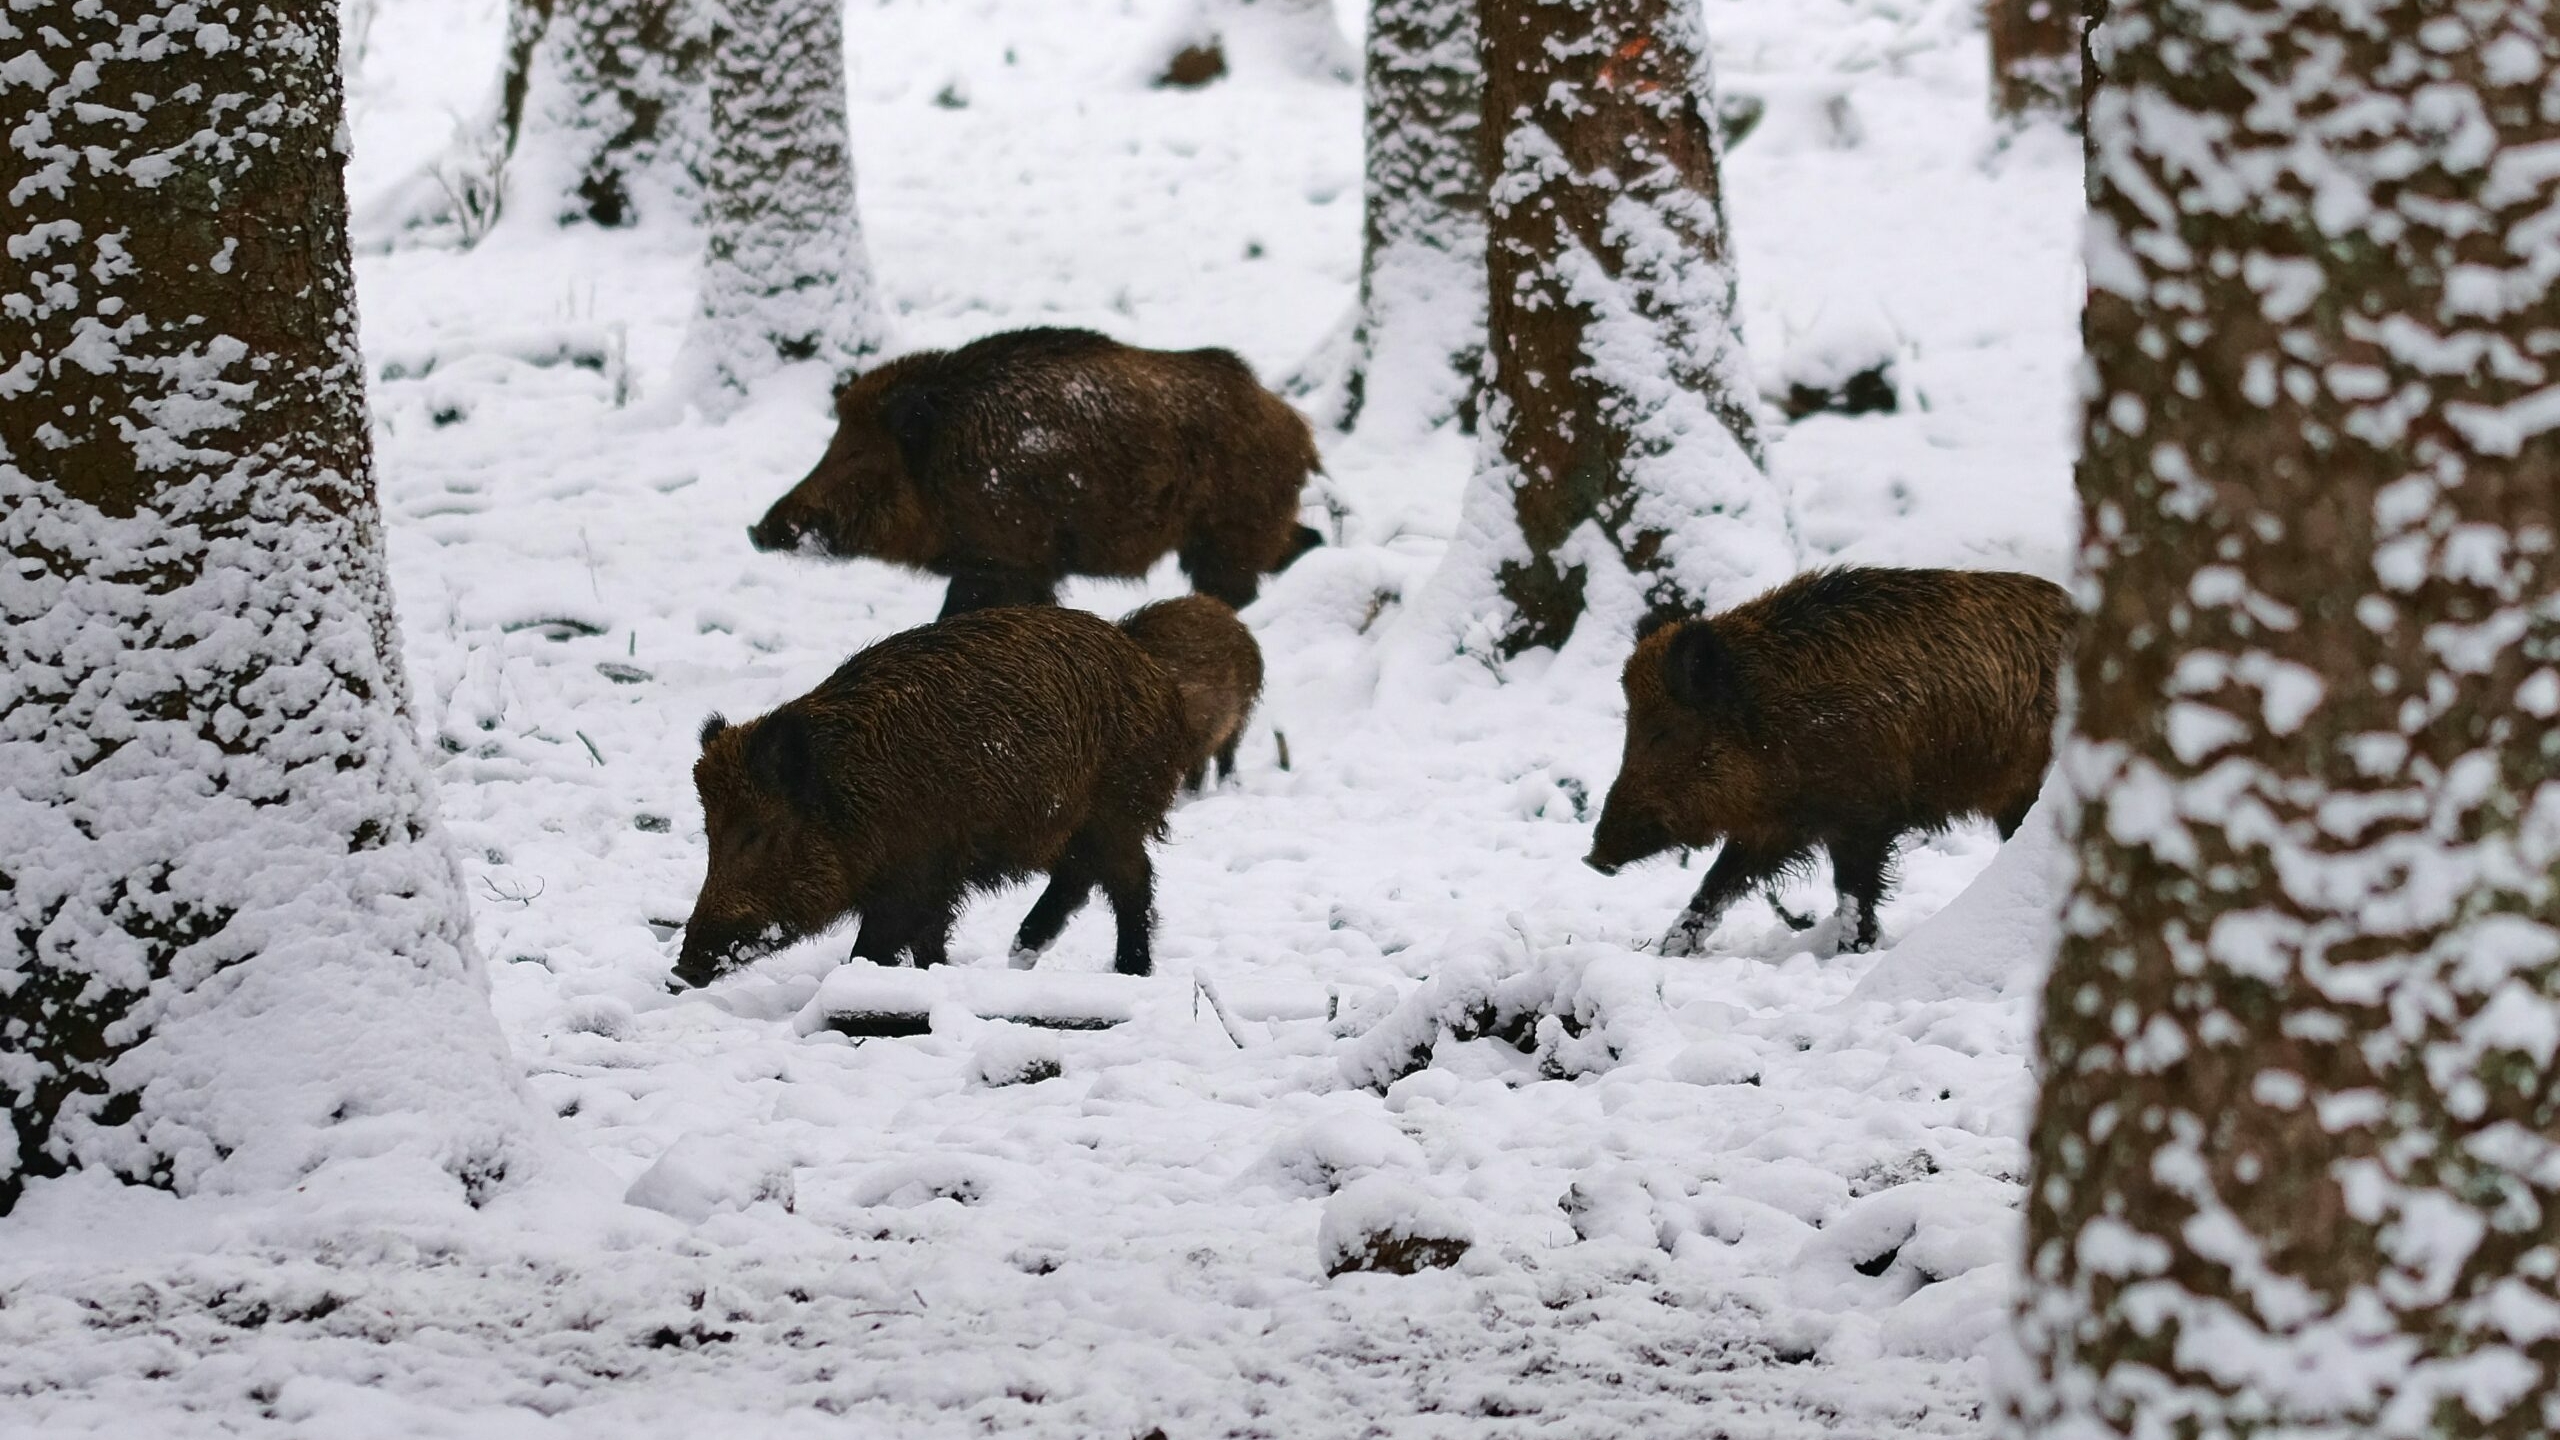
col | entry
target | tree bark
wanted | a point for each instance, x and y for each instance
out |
(1417, 336)
(785, 274)
(229, 927)
(2035, 56)
(2296, 1165)
(615, 86)
(1620, 421)
(632, 98)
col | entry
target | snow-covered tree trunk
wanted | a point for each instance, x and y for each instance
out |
(631, 94)
(785, 276)
(1416, 342)
(612, 91)
(2035, 56)
(1619, 425)
(232, 941)
(2296, 1167)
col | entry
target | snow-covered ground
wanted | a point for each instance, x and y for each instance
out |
(1742, 1195)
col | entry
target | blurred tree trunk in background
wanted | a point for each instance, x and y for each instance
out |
(785, 275)
(631, 76)
(1416, 336)
(2035, 56)
(228, 922)
(2296, 1166)
(617, 83)
(355, 28)
(1619, 414)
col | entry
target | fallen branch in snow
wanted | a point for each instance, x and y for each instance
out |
(1245, 1038)
(872, 1001)
(516, 895)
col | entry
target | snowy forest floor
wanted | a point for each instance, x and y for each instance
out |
(1745, 1202)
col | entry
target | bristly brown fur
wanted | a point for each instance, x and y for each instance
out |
(1025, 457)
(1214, 661)
(1839, 710)
(953, 757)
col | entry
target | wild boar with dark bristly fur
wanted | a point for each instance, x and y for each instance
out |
(1216, 665)
(1839, 710)
(1023, 458)
(954, 757)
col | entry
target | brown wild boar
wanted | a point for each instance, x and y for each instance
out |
(953, 757)
(1839, 710)
(1022, 458)
(1214, 662)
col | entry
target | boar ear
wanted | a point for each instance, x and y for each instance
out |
(1657, 617)
(713, 728)
(781, 757)
(1700, 669)
(907, 413)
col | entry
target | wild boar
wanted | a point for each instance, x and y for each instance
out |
(1025, 457)
(954, 757)
(1216, 665)
(1840, 710)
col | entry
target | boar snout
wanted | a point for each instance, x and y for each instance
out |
(775, 532)
(697, 966)
(1621, 839)
(711, 949)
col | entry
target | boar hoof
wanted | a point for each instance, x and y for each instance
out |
(1685, 942)
(1022, 958)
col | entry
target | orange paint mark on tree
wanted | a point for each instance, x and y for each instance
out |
(1629, 51)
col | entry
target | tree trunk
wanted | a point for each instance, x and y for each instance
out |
(2035, 56)
(632, 98)
(785, 276)
(1619, 420)
(2294, 1165)
(614, 87)
(1416, 341)
(235, 941)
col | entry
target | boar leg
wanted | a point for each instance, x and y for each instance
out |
(2012, 817)
(913, 915)
(1775, 894)
(877, 942)
(1738, 871)
(1862, 868)
(1129, 881)
(1069, 886)
(1214, 573)
(1227, 755)
(930, 942)
(986, 587)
